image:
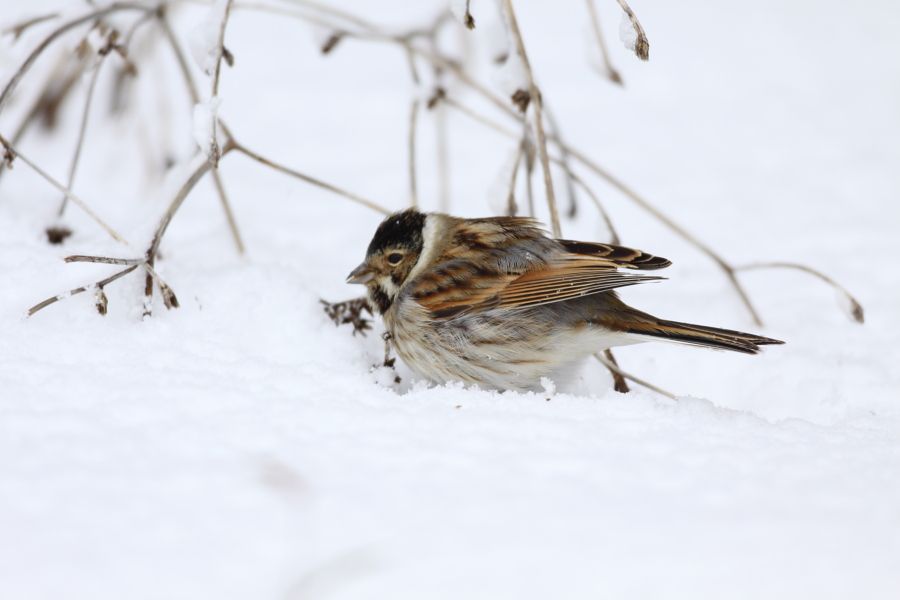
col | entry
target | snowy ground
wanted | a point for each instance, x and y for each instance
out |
(240, 447)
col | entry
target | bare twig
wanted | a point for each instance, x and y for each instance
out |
(13, 152)
(106, 260)
(856, 310)
(613, 234)
(619, 383)
(18, 29)
(411, 152)
(567, 169)
(538, 117)
(65, 27)
(642, 44)
(611, 72)
(511, 208)
(82, 130)
(194, 95)
(220, 52)
(443, 157)
(98, 285)
(308, 179)
(612, 366)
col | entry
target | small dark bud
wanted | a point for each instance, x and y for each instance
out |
(227, 56)
(333, 40)
(439, 94)
(521, 99)
(469, 20)
(57, 235)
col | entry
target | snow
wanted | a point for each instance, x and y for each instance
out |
(204, 39)
(627, 33)
(244, 447)
(204, 122)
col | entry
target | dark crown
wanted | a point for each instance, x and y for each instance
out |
(402, 229)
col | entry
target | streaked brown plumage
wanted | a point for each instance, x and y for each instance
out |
(497, 302)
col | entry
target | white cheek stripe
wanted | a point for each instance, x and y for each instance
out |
(429, 246)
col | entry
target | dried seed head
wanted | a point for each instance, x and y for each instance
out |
(168, 296)
(57, 235)
(521, 98)
(101, 302)
(469, 20)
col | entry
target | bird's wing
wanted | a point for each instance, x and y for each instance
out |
(628, 258)
(502, 278)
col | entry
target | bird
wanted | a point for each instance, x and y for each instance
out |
(499, 303)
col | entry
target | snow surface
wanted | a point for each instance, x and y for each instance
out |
(240, 447)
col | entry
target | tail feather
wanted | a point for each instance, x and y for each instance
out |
(700, 335)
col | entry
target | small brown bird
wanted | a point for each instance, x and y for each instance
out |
(499, 303)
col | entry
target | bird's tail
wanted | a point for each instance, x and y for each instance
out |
(698, 335)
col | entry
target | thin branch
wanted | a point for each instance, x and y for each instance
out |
(69, 25)
(411, 152)
(59, 186)
(106, 260)
(98, 285)
(642, 44)
(611, 71)
(176, 203)
(856, 310)
(220, 52)
(194, 94)
(82, 130)
(511, 208)
(619, 383)
(443, 157)
(308, 179)
(567, 169)
(19, 28)
(538, 117)
(612, 366)
(613, 234)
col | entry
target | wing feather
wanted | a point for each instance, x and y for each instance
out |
(508, 262)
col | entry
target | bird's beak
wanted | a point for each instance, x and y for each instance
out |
(361, 274)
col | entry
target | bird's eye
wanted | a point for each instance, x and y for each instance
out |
(394, 258)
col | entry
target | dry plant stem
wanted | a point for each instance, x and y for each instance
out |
(611, 72)
(79, 144)
(106, 260)
(615, 369)
(613, 234)
(68, 194)
(511, 208)
(642, 45)
(619, 383)
(194, 94)
(411, 151)
(567, 168)
(536, 103)
(19, 28)
(312, 180)
(856, 309)
(443, 157)
(220, 51)
(98, 285)
(65, 27)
